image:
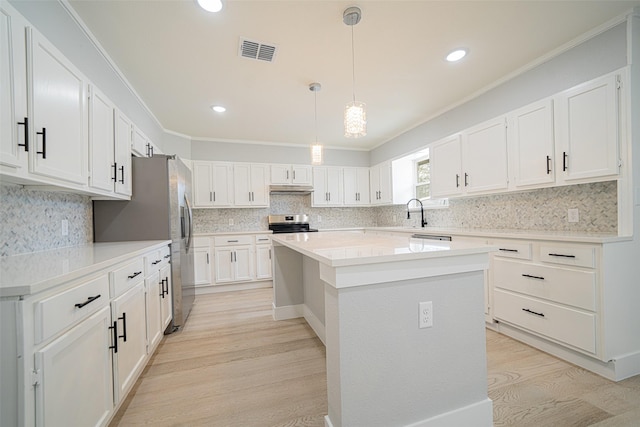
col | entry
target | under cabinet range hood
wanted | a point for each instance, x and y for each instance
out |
(290, 189)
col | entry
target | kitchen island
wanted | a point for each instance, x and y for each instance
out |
(361, 293)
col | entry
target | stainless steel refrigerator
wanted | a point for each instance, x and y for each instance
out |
(159, 209)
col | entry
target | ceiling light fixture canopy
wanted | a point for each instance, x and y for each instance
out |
(355, 114)
(456, 55)
(316, 149)
(218, 108)
(211, 5)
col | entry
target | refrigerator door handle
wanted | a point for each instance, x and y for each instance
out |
(190, 227)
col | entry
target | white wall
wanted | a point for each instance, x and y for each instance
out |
(599, 55)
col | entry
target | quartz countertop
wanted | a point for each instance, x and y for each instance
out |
(232, 233)
(27, 274)
(355, 247)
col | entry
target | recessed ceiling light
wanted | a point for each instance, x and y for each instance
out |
(218, 108)
(456, 55)
(211, 5)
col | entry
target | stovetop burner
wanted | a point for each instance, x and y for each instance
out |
(294, 223)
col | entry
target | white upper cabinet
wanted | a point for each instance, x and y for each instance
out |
(123, 140)
(587, 130)
(101, 142)
(327, 186)
(212, 184)
(356, 186)
(291, 174)
(484, 157)
(380, 184)
(59, 123)
(531, 142)
(446, 167)
(251, 184)
(14, 122)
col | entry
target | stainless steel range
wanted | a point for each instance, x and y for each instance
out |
(290, 224)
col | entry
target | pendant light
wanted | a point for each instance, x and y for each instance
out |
(316, 149)
(355, 115)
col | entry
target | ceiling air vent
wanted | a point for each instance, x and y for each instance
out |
(256, 50)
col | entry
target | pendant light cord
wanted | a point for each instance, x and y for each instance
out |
(353, 64)
(315, 113)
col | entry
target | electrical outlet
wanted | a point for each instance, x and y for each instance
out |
(573, 215)
(64, 228)
(230, 221)
(319, 218)
(426, 314)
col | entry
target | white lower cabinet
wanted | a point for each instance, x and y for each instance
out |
(153, 288)
(75, 386)
(166, 301)
(233, 264)
(263, 257)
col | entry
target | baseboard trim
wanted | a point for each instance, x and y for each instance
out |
(288, 312)
(214, 289)
(314, 322)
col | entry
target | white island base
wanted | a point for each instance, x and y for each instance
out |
(361, 295)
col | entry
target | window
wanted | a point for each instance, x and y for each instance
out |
(423, 179)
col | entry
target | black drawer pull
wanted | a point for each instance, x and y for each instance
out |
(115, 336)
(137, 273)
(44, 143)
(232, 241)
(533, 277)
(124, 327)
(533, 312)
(158, 261)
(563, 255)
(26, 134)
(507, 250)
(89, 300)
(167, 256)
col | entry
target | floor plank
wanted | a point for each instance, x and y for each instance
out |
(232, 365)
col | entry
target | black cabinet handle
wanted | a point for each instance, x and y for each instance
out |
(457, 180)
(507, 250)
(564, 161)
(124, 327)
(533, 277)
(137, 273)
(151, 148)
(466, 179)
(115, 336)
(122, 172)
(158, 261)
(166, 282)
(533, 312)
(115, 172)
(44, 143)
(161, 288)
(167, 256)
(232, 241)
(563, 255)
(548, 165)
(89, 300)
(26, 134)
(207, 258)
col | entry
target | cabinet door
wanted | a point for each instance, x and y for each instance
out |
(446, 167)
(123, 141)
(484, 157)
(154, 327)
(263, 262)
(222, 184)
(128, 310)
(320, 196)
(60, 140)
(76, 387)
(202, 184)
(587, 126)
(224, 265)
(301, 174)
(243, 260)
(384, 183)
(13, 95)
(350, 179)
(242, 185)
(202, 266)
(363, 186)
(531, 138)
(334, 186)
(259, 185)
(103, 169)
(166, 301)
(281, 174)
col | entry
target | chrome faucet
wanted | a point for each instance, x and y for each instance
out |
(422, 221)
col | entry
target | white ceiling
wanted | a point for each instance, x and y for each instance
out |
(181, 59)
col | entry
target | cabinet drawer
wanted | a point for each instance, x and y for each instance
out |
(263, 239)
(579, 256)
(152, 262)
(125, 277)
(55, 313)
(572, 287)
(573, 327)
(199, 242)
(507, 249)
(233, 240)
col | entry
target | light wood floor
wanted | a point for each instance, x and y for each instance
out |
(232, 365)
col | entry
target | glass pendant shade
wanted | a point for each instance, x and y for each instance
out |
(316, 154)
(355, 120)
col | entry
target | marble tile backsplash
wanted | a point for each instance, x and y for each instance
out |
(543, 210)
(31, 220)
